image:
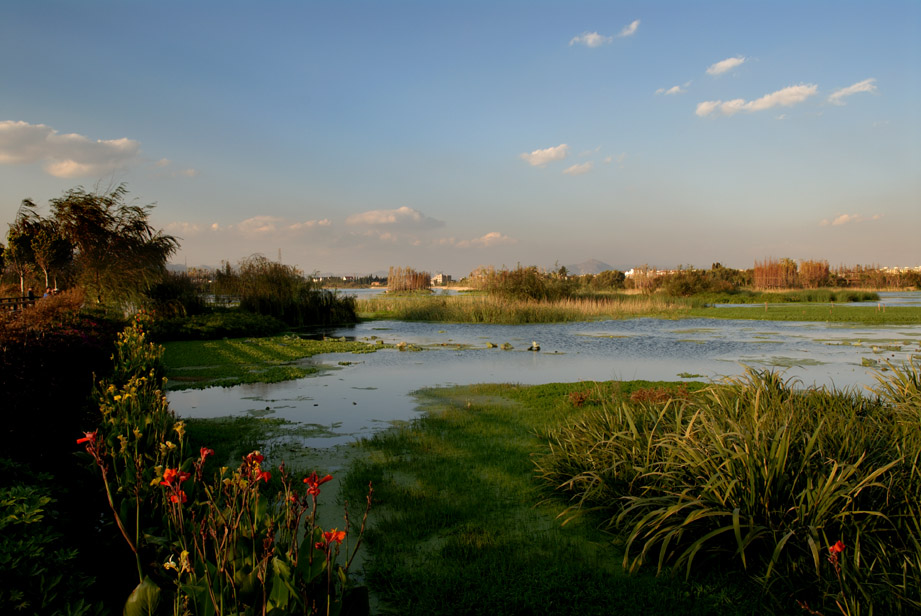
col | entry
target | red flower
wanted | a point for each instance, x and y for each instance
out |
(330, 537)
(205, 452)
(90, 438)
(314, 482)
(173, 477)
(254, 457)
(837, 548)
(178, 496)
(263, 475)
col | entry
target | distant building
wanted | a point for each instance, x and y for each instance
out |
(441, 279)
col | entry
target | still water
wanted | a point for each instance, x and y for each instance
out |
(363, 393)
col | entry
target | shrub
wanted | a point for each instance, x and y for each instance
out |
(812, 493)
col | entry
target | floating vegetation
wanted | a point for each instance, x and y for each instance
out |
(506, 346)
(788, 362)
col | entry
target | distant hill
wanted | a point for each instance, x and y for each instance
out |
(592, 266)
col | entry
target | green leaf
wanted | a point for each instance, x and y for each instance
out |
(282, 592)
(144, 600)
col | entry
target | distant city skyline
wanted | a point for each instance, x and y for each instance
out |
(351, 136)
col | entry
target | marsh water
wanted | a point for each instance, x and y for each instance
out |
(362, 393)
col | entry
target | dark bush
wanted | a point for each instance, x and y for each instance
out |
(175, 295)
(215, 325)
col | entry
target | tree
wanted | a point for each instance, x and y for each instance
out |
(51, 250)
(117, 253)
(18, 254)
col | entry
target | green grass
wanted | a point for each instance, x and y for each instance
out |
(798, 296)
(200, 364)
(887, 315)
(461, 526)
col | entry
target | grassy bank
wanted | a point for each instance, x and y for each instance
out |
(461, 526)
(200, 364)
(737, 494)
(477, 308)
(872, 315)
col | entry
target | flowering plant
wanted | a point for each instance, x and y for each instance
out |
(210, 545)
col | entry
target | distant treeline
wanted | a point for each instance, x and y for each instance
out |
(525, 282)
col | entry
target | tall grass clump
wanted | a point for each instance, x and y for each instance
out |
(492, 309)
(400, 279)
(814, 494)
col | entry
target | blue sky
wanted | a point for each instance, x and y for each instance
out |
(351, 136)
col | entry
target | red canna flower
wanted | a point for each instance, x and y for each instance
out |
(254, 457)
(837, 548)
(89, 438)
(205, 452)
(178, 496)
(314, 482)
(330, 537)
(173, 477)
(263, 475)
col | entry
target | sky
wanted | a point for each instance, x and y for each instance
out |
(345, 136)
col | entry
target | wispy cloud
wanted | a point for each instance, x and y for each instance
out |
(310, 224)
(539, 158)
(579, 169)
(679, 89)
(493, 238)
(63, 156)
(786, 97)
(845, 219)
(630, 30)
(725, 65)
(405, 217)
(867, 85)
(590, 39)
(260, 225)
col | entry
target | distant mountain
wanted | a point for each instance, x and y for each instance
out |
(592, 266)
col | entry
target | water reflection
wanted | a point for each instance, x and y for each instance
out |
(370, 391)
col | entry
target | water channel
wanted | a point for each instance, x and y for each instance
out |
(363, 393)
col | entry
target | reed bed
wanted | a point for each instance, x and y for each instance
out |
(490, 309)
(813, 493)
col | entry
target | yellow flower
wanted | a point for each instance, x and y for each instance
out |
(123, 442)
(179, 427)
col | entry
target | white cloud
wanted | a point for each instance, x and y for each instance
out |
(310, 224)
(181, 228)
(260, 224)
(725, 65)
(579, 169)
(590, 39)
(539, 158)
(674, 90)
(786, 97)
(64, 156)
(630, 30)
(867, 85)
(494, 238)
(403, 217)
(844, 219)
